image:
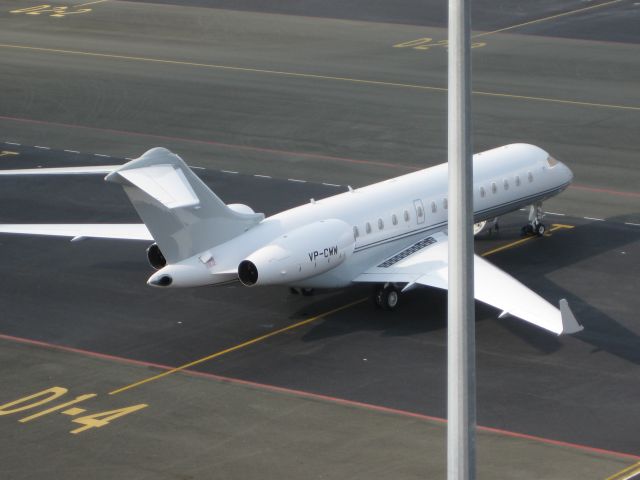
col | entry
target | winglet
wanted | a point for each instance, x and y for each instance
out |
(569, 322)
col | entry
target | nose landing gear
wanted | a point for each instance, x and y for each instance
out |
(535, 225)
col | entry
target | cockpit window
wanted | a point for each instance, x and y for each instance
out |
(551, 161)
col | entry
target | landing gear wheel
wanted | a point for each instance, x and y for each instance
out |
(539, 229)
(527, 230)
(386, 297)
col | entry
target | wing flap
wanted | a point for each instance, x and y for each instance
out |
(122, 231)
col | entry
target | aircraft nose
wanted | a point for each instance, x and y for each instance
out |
(567, 173)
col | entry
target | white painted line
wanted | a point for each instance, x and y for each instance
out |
(198, 168)
(262, 176)
(72, 151)
(596, 219)
(331, 184)
(296, 180)
(633, 224)
(128, 158)
(43, 148)
(228, 171)
(101, 155)
(555, 213)
(12, 143)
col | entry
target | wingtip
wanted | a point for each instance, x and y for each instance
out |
(569, 323)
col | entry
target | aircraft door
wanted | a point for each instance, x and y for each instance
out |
(419, 211)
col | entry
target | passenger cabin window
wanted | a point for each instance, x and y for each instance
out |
(445, 203)
(482, 192)
(434, 207)
(517, 180)
(356, 232)
(406, 216)
(530, 177)
(494, 187)
(368, 227)
(380, 224)
(551, 161)
(394, 219)
(506, 184)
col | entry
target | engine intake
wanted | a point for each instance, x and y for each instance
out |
(155, 257)
(247, 273)
(299, 254)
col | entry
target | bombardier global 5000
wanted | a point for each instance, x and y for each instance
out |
(391, 234)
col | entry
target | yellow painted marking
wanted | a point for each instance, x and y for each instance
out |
(555, 226)
(90, 3)
(78, 399)
(425, 43)
(7, 153)
(58, 11)
(626, 474)
(237, 347)
(531, 22)
(74, 411)
(315, 76)
(97, 420)
(53, 392)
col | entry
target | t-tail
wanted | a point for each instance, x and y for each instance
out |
(182, 214)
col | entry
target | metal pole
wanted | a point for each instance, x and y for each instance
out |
(461, 391)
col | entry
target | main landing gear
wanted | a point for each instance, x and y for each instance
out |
(386, 296)
(535, 225)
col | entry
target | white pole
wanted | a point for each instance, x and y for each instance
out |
(461, 405)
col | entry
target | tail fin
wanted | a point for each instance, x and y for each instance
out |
(183, 215)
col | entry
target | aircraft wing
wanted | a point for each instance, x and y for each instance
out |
(426, 263)
(123, 231)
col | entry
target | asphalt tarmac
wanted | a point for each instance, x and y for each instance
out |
(337, 102)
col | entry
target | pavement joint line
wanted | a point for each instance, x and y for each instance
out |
(237, 347)
(316, 76)
(627, 473)
(551, 17)
(553, 228)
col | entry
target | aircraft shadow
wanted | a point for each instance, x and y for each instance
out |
(424, 309)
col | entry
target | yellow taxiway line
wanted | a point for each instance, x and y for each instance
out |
(628, 473)
(314, 76)
(554, 227)
(237, 347)
(539, 20)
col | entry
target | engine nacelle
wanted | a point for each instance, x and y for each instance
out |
(155, 257)
(302, 253)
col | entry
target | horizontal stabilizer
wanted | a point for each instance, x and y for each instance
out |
(123, 231)
(166, 183)
(86, 170)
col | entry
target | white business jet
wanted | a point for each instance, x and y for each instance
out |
(392, 234)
